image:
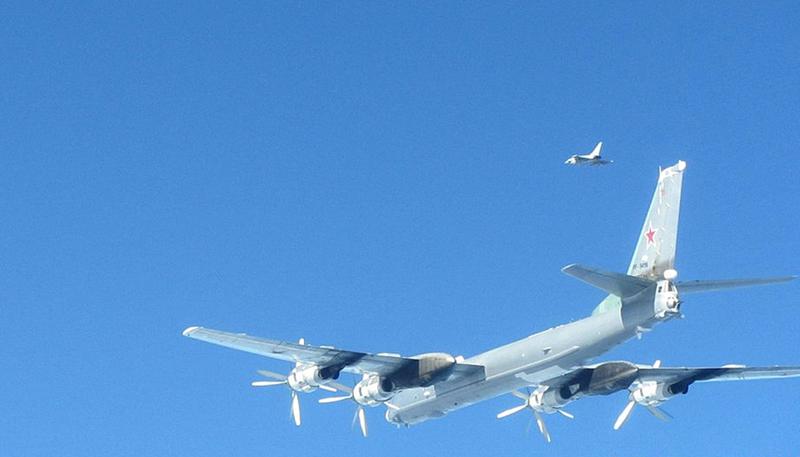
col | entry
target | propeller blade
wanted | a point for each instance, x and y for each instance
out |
(362, 420)
(270, 374)
(659, 413)
(295, 408)
(334, 399)
(297, 362)
(267, 383)
(565, 414)
(327, 388)
(339, 387)
(542, 426)
(511, 411)
(520, 395)
(624, 415)
(528, 427)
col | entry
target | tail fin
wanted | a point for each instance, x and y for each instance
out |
(596, 151)
(655, 250)
(654, 256)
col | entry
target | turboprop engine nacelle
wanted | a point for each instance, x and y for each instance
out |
(609, 377)
(549, 401)
(305, 378)
(653, 393)
(606, 378)
(373, 390)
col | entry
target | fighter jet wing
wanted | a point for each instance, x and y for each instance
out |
(324, 356)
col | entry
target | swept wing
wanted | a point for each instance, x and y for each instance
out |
(401, 369)
(649, 386)
(724, 373)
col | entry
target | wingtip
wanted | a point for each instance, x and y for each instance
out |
(568, 267)
(786, 278)
(190, 330)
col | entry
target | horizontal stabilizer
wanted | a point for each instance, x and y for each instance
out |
(688, 287)
(618, 284)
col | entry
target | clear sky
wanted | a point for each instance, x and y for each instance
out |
(380, 177)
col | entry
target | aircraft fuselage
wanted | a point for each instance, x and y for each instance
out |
(532, 360)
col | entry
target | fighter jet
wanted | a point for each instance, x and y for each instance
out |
(593, 158)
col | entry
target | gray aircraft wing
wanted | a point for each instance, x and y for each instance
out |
(721, 284)
(325, 356)
(608, 377)
(646, 392)
(724, 373)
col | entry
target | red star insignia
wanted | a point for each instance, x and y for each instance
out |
(650, 234)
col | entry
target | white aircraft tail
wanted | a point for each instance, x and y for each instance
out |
(596, 151)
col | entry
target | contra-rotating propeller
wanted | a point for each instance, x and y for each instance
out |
(280, 379)
(370, 391)
(360, 414)
(650, 404)
(534, 403)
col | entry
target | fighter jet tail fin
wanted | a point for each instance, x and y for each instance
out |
(596, 151)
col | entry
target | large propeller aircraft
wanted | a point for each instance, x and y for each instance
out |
(552, 367)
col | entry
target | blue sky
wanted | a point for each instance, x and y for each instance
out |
(380, 177)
